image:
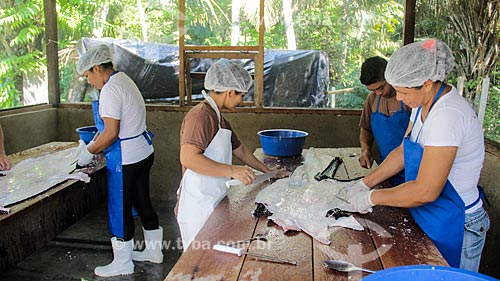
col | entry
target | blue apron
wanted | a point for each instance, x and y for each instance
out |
(442, 220)
(389, 131)
(113, 155)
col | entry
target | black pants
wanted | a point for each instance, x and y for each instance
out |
(136, 194)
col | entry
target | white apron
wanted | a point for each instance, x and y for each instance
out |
(200, 194)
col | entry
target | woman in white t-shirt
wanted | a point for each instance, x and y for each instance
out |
(120, 116)
(442, 156)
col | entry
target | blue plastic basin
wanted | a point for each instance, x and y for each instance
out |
(87, 133)
(282, 142)
(426, 273)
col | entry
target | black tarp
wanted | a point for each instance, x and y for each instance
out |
(291, 78)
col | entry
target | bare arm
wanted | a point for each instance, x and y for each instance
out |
(432, 175)
(366, 141)
(4, 160)
(393, 164)
(247, 157)
(106, 137)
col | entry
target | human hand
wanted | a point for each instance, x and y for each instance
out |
(366, 159)
(350, 190)
(361, 202)
(84, 156)
(4, 162)
(243, 173)
(281, 174)
(81, 147)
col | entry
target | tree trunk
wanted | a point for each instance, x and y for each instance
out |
(142, 18)
(104, 13)
(288, 19)
(76, 92)
(235, 22)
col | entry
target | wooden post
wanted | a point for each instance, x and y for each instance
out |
(409, 22)
(49, 7)
(182, 69)
(258, 88)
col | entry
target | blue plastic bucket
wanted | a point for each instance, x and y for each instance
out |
(87, 133)
(282, 142)
(426, 273)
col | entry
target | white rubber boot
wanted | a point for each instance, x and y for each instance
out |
(153, 240)
(122, 259)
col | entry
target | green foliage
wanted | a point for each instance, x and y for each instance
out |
(27, 35)
(433, 20)
(350, 33)
(21, 48)
(20, 15)
(491, 123)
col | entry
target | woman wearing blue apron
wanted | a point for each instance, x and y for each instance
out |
(120, 118)
(442, 157)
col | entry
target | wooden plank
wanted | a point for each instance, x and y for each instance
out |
(222, 48)
(50, 15)
(259, 61)
(182, 68)
(399, 240)
(341, 91)
(295, 246)
(230, 221)
(187, 80)
(216, 55)
(201, 75)
(349, 245)
(409, 22)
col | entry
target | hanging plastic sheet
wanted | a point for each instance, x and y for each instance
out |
(291, 78)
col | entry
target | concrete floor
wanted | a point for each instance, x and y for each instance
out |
(74, 253)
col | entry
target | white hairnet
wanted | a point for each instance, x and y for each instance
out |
(95, 56)
(225, 75)
(418, 62)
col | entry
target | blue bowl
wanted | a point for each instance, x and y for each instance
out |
(426, 273)
(282, 142)
(87, 133)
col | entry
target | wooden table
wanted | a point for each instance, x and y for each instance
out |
(32, 223)
(391, 238)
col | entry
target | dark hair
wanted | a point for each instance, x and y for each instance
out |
(372, 70)
(105, 65)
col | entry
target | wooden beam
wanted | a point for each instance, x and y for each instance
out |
(409, 22)
(182, 70)
(256, 53)
(222, 48)
(258, 87)
(215, 55)
(49, 8)
(341, 91)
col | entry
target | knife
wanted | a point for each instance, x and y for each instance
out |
(260, 178)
